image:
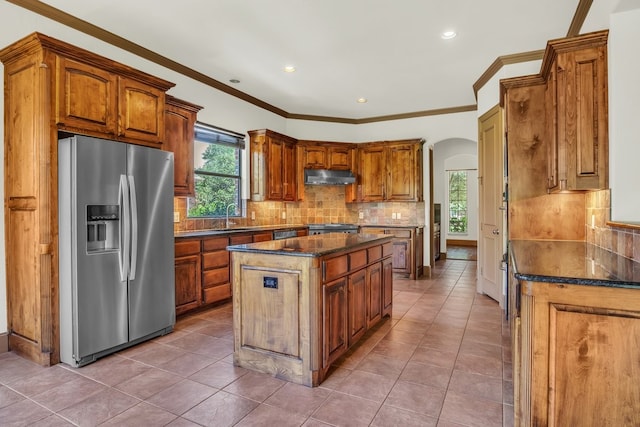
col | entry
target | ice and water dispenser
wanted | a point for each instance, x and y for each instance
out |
(103, 226)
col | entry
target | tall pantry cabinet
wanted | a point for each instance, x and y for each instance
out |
(53, 87)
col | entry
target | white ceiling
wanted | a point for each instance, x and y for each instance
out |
(388, 51)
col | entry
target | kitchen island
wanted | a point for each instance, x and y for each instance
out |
(575, 325)
(300, 303)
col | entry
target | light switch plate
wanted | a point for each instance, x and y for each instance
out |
(393, 215)
(176, 216)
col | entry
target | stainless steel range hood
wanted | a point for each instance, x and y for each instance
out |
(328, 177)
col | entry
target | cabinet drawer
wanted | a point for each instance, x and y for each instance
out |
(374, 253)
(262, 237)
(357, 259)
(217, 293)
(187, 247)
(215, 277)
(215, 243)
(215, 259)
(335, 267)
(241, 240)
(387, 249)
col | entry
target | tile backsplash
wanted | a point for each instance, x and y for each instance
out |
(623, 241)
(322, 204)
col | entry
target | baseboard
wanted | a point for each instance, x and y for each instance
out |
(426, 272)
(4, 342)
(455, 242)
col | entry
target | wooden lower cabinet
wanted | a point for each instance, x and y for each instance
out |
(579, 349)
(203, 267)
(374, 280)
(216, 285)
(407, 249)
(387, 285)
(188, 283)
(334, 314)
(357, 309)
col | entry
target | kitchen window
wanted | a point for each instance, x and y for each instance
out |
(217, 165)
(458, 201)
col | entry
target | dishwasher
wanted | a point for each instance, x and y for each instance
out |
(284, 234)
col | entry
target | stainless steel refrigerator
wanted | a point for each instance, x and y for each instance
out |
(116, 246)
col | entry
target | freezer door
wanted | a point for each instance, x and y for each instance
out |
(100, 302)
(152, 273)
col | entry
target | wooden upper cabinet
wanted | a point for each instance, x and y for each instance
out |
(273, 166)
(576, 98)
(288, 164)
(102, 98)
(340, 157)
(140, 111)
(326, 155)
(86, 97)
(402, 182)
(275, 163)
(390, 171)
(372, 160)
(179, 121)
(315, 157)
(527, 143)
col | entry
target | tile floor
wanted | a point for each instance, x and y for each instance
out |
(442, 360)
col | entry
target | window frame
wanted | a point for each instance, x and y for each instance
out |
(209, 134)
(458, 200)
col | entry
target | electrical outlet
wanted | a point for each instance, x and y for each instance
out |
(284, 215)
(593, 221)
(176, 216)
(393, 215)
(253, 215)
(360, 215)
(399, 215)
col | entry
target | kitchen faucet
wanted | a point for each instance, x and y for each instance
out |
(227, 220)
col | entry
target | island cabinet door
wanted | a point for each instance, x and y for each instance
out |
(374, 294)
(334, 320)
(387, 286)
(357, 305)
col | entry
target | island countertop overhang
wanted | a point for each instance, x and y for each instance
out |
(312, 246)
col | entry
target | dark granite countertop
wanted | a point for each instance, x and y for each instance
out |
(312, 246)
(573, 263)
(234, 230)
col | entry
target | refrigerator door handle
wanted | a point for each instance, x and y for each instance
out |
(134, 228)
(123, 199)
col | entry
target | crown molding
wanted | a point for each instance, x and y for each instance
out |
(122, 43)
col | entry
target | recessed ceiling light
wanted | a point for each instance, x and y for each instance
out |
(234, 81)
(289, 69)
(447, 35)
(362, 100)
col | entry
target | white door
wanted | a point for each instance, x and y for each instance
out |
(490, 180)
